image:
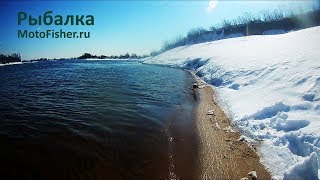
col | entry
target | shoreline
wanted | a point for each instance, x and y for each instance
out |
(222, 153)
(11, 63)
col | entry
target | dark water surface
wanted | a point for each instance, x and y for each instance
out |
(95, 120)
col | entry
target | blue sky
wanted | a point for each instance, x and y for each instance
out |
(120, 26)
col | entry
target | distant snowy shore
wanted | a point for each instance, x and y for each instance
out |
(13, 63)
(270, 87)
(93, 59)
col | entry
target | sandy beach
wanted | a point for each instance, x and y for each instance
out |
(222, 153)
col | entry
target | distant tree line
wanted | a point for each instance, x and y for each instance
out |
(125, 56)
(15, 57)
(249, 24)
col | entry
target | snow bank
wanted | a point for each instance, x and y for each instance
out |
(270, 87)
(306, 169)
(214, 36)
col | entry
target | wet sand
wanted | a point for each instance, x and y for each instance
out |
(221, 154)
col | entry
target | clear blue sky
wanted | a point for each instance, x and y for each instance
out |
(120, 26)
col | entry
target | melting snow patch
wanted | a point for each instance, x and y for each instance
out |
(253, 175)
(242, 138)
(229, 129)
(210, 112)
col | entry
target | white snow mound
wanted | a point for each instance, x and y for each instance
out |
(270, 87)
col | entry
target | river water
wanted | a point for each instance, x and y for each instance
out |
(80, 119)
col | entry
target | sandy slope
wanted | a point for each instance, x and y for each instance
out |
(221, 154)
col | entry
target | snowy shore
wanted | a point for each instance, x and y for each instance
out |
(13, 63)
(270, 87)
